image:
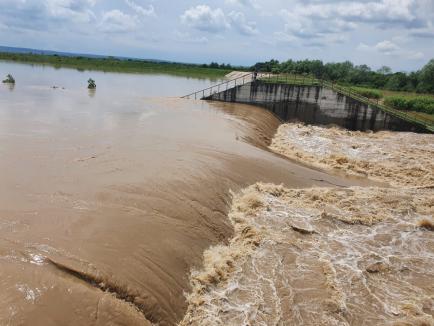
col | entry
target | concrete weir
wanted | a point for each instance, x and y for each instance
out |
(314, 105)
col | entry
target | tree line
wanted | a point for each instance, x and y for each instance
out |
(421, 81)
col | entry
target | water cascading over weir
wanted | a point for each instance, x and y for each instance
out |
(312, 101)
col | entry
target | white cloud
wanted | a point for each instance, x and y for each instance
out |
(244, 4)
(314, 19)
(203, 18)
(386, 47)
(145, 12)
(238, 20)
(116, 21)
(389, 48)
(76, 10)
(307, 27)
(384, 11)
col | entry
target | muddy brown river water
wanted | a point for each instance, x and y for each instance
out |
(109, 199)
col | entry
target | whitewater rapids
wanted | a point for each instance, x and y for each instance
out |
(328, 256)
(400, 159)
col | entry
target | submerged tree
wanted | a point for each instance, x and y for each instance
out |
(9, 79)
(91, 84)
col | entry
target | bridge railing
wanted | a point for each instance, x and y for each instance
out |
(223, 86)
(292, 79)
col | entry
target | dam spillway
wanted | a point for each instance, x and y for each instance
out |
(315, 104)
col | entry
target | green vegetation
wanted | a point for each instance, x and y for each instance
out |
(423, 104)
(111, 64)
(368, 92)
(91, 84)
(347, 73)
(9, 79)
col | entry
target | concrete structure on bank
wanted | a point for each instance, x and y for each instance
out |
(315, 105)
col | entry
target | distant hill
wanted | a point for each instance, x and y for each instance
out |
(9, 49)
(111, 64)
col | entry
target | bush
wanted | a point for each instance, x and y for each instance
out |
(9, 79)
(91, 84)
(368, 92)
(419, 103)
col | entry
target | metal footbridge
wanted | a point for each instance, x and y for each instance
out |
(224, 86)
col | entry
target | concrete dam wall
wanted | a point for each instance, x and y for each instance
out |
(315, 105)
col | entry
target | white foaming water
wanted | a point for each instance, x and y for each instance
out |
(320, 261)
(401, 159)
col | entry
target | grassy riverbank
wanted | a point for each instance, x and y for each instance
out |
(111, 64)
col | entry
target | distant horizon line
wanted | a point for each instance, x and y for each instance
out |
(18, 50)
(11, 49)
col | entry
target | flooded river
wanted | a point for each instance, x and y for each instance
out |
(108, 199)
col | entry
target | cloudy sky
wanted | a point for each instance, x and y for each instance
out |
(397, 33)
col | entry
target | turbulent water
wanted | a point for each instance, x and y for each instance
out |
(400, 159)
(328, 256)
(108, 199)
(354, 256)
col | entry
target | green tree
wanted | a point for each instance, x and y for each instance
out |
(426, 78)
(397, 81)
(362, 75)
(384, 70)
(338, 71)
